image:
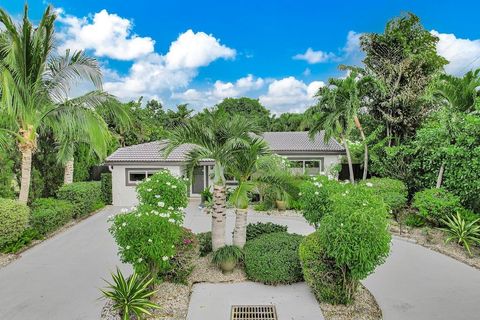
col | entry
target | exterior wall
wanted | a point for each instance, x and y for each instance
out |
(125, 195)
(330, 160)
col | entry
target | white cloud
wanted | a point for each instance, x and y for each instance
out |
(108, 35)
(462, 54)
(312, 56)
(221, 90)
(350, 52)
(290, 94)
(193, 50)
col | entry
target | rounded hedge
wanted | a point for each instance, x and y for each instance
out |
(13, 220)
(392, 191)
(436, 204)
(85, 196)
(352, 240)
(273, 258)
(49, 214)
(254, 230)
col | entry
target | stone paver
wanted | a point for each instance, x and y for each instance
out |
(214, 301)
(59, 279)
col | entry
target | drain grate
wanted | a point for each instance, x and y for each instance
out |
(267, 312)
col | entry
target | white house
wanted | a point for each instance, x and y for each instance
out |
(130, 165)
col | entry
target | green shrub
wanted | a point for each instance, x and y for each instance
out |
(27, 236)
(273, 258)
(106, 185)
(436, 204)
(205, 243)
(13, 220)
(393, 192)
(163, 191)
(130, 296)
(182, 263)
(350, 243)
(462, 232)
(255, 230)
(261, 207)
(314, 198)
(49, 214)
(85, 196)
(414, 220)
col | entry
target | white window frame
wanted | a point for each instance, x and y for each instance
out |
(321, 161)
(145, 171)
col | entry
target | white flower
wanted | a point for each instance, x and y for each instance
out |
(171, 220)
(391, 211)
(174, 187)
(165, 258)
(124, 210)
(168, 183)
(181, 208)
(170, 208)
(364, 204)
(161, 204)
(140, 260)
(299, 194)
(124, 224)
(341, 224)
(157, 196)
(128, 247)
(148, 179)
(150, 240)
(369, 184)
(149, 190)
(317, 193)
(110, 216)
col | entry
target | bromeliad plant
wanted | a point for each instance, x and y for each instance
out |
(130, 296)
(461, 231)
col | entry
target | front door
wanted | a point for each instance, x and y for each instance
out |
(198, 183)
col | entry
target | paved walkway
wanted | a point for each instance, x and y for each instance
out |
(60, 278)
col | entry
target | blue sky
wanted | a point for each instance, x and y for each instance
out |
(200, 52)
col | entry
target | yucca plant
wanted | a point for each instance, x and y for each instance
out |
(463, 232)
(130, 295)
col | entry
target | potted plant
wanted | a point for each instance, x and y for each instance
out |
(281, 202)
(227, 258)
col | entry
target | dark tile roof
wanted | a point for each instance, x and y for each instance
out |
(278, 142)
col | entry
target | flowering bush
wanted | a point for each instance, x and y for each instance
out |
(163, 191)
(352, 240)
(393, 192)
(149, 234)
(314, 197)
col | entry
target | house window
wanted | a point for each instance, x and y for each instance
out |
(307, 167)
(135, 176)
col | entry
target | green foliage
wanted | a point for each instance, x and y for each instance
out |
(182, 263)
(273, 258)
(205, 243)
(246, 107)
(106, 185)
(254, 230)
(13, 220)
(27, 236)
(130, 296)
(147, 239)
(8, 157)
(49, 214)
(414, 220)
(436, 204)
(85, 196)
(393, 192)
(207, 195)
(352, 240)
(163, 190)
(462, 232)
(227, 254)
(314, 198)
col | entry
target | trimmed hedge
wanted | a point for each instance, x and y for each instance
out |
(49, 214)
(13, 220)
(106, 185)
(436, 204)
(85, 196)
(273, 258)
(393, 192)
(255, 230)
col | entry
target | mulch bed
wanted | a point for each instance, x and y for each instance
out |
(434, 239)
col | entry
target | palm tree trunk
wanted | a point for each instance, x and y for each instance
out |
(68, 174)
(219, 218)
(349, 160)
(240, 231)
(440, 175)
(26, 151)
(365, 156)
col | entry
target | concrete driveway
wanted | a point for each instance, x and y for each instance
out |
(59, 279)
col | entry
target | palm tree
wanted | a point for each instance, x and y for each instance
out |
(337, 110)
(219, 137)
(35, 86)
(456, 95)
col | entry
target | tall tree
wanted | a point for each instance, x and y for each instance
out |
(403, 60)
(247, 107)
(35, 83)
(220, 137)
